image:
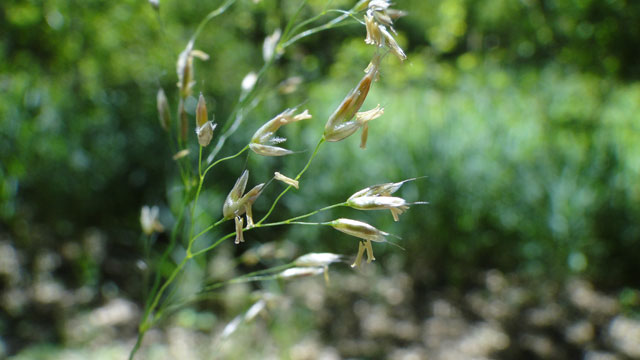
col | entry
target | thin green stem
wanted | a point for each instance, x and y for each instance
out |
(195, 200)
(252, 276)
(210, 16)
(294, 219)
(207, 291)
(224, 159)
(289, 222)
(287, 29)
(206, 230)
(200, 162)
(165, 255)
(215, 244)
(136, 347)
(322, 140)
(146, 324)
(237, 115)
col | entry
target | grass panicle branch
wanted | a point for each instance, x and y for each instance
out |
(161, 299)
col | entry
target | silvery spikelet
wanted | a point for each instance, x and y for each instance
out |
(263, 141)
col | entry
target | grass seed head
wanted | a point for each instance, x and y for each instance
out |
(237, 204)
(359, 229)
(164, 113)
(149, 220)
(297, 272)
(201, 111)
(205, 133)
(286, 180)
(263, 138)
(378, 18)
(317, 259)
(340, 124)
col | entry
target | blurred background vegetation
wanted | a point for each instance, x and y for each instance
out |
(524, 116)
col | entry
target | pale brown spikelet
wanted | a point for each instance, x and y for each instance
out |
(205, 133)
(286, 180)
(201, 111)
(180, 154)
(149, 220)
(340, 124)
(204, 127)
(374, 37)
(184, 68)
(378, 21)
(392, 44)
(237, 204)
(164, 113)
(363, 119)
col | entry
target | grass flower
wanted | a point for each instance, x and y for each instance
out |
(395, 204)
(341, 123)
(164, 113)
(318, 260)
(238, 204)
(296, 272)
(378, 197)
(184, 68)
(180, 154)
(378, 18)
(149, 220)
(364, 118)
(269, 45)
(204, 128)
(385, 189)
(263, 139)
(286, 180)
(363, 231)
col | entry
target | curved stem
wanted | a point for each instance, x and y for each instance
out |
(206, 230)
(224, 159)
(146, 324)
(330, 25)
(215, 244)
(195, 200)
(210, 16)
(294, 219)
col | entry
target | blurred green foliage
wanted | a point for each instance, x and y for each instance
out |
(523, 116)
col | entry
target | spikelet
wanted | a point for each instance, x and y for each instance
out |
(341, 123)
(264, 137)
(204, 128)
(164, 113)
(237, 204)
(286, 180)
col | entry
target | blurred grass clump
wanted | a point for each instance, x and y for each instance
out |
(523, 116)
